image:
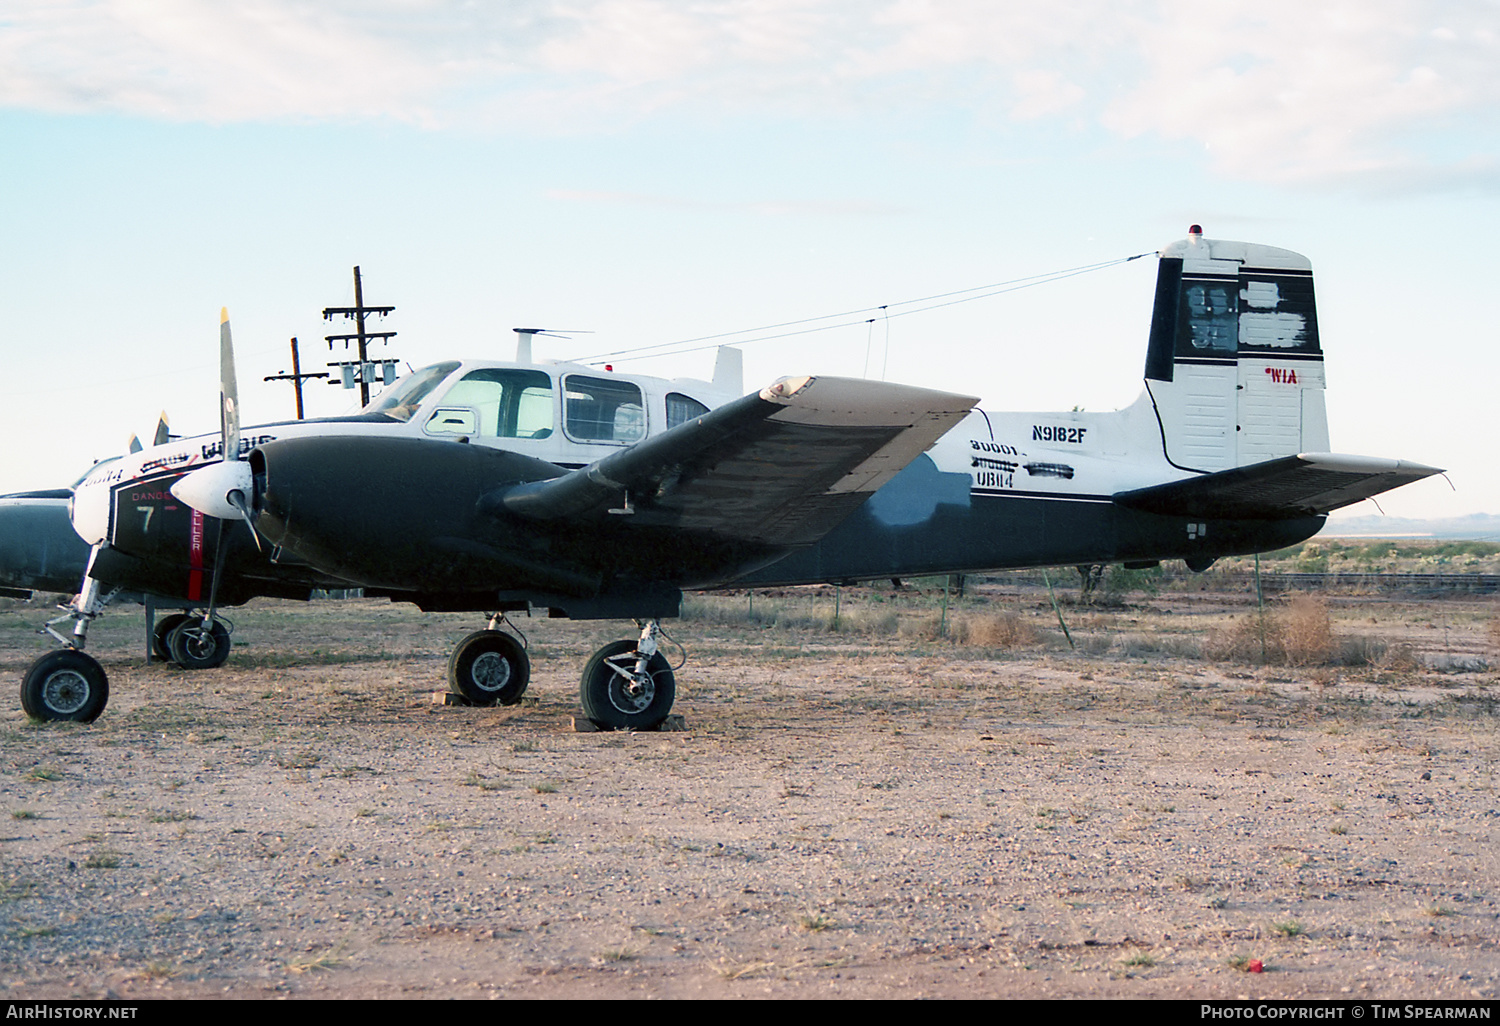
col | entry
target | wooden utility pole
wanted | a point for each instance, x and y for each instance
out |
(358, 312)
(296, 377)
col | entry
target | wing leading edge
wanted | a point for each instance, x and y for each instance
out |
(781, 467)
(1309, 484)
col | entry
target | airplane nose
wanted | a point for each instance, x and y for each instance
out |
(39, 550)
(398, 513)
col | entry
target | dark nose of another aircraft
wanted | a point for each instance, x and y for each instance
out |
(39, 550)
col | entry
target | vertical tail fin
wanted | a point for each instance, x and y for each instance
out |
(1234, 367)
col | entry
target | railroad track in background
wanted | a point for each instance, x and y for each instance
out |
(1476, 583)
(1277, 582)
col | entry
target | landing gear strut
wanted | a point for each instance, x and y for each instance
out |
(67, 684)
(629, 685)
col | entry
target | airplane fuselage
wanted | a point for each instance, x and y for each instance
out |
(394, 500)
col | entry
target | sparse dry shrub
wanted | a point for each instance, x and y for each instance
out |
(1299, 635)
(1323, 678)
(882, 622)
(1361, 651)
(1094, 644)
(1250, 639)
(1400, 658)
(1136, 645)
(921, 628)
(1006, 629)
(1307, 631)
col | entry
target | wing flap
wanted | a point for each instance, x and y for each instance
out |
(1308, 484)
(781, 466)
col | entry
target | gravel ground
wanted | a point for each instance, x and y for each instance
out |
(841, 818)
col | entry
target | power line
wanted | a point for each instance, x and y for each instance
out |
(888, 310)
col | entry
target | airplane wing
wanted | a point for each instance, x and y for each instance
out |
(782, 466)
(1309, 484)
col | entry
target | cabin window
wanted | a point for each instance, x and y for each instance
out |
(1211, 310)
(511, 403)
(446, 420)
(1277, 314)
(603, 409)
(682, 408)
(1259, 312)
(402, 400)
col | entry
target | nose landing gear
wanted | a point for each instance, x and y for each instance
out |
(68, 684)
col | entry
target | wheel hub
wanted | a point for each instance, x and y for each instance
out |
(65, 692)
(198, 642)
(491, 672)
(632, 693)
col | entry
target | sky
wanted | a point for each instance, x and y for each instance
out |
(635, 172)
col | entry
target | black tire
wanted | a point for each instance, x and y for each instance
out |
(606, 696)
(489, 667)
(194, 649)
(65, 685)
(160, 649)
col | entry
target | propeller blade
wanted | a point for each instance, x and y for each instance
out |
(236, 499)
(229, 392)
(163, 433)
(222, 489)
(135, 444)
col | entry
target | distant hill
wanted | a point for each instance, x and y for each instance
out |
(1473, 527)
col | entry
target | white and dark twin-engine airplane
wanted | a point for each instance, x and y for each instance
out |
(500, 487)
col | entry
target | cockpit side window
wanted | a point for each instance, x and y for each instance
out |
(603, 409)
(682, 408)
(511, 403)
(401, 400)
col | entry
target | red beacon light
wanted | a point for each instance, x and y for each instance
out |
(1196, 231)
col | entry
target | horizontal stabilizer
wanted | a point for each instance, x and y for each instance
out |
(1281, 489)
(782, 466)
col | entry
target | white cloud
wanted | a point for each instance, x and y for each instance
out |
(1283, 90)
(1287, 90)
(777, 208)
(186, 60)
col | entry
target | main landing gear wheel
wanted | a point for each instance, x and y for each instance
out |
(65, 685)
(160, 648)
(615, 695)
(489, 667)
(194, 647)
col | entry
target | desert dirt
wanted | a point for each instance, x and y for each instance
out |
(868, 812)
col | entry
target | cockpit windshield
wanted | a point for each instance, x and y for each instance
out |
(402, 400)
(102, 463)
